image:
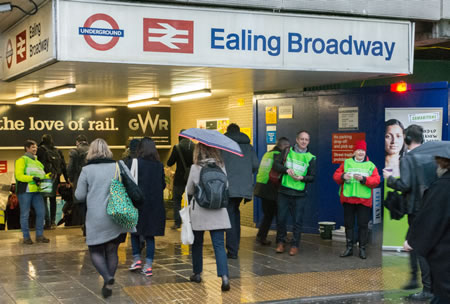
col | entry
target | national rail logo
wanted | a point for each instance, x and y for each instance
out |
(9, 54)
(114, 32)
(168, 35)
(21, 46)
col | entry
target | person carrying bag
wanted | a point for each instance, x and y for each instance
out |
(120, 206)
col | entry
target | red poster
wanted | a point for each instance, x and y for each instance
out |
(3, 166)
(342, 145)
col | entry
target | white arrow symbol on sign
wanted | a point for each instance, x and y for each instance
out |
(169, 32)
(21, 47)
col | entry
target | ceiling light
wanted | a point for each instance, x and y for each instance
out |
(5, 7)
(143, 103)
(65, 89)
(191, 95)
(27, 99)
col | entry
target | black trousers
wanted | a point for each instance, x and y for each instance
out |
(178, 191)
(233, 235)
(415, 260)
(50, 216)
(362, 214)
(269, 208)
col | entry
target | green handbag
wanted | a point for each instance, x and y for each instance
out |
(120, 207)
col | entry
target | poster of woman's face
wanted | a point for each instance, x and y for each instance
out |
(394, 145)
(397, 119)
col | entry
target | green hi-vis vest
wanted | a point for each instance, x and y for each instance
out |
(33, 167)
(265, 166)
(299, 162)
(354, 188)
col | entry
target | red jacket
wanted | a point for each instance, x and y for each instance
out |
(370, 181)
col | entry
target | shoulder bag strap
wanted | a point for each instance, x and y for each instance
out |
(134, 169)
(181, 157)
(117, 173)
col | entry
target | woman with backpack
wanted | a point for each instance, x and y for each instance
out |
(206, 219)
(103, 235)
(152, 215)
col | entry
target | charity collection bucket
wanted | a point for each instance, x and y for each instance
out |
(326, 229)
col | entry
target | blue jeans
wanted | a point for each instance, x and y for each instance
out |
(233, 234)
(219, 251)
(296, 206)
(26, 200)
(150, 247)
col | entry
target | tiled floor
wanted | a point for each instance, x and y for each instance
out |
(61, 272)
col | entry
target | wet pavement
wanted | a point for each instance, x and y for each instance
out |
(61, 272)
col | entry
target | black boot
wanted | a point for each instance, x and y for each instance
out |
(348, 252)
(412, 284)
(362, 252)
(363, 238)
(195, 278)
(349, 239)
(225, 283)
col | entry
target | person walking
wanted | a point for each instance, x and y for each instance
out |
(103, 235)
(267, 190)
(203, 219)
(54, 163)
(429, 234)
(77, 160)
(181, 156)
(357, 176)
(297, 166)
(152, 215)
(240, 178)
(417, 172)
(131, 151)
(29, 173)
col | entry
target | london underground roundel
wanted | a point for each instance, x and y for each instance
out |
(114, 32)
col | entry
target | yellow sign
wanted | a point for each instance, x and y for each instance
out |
(240, 102)
(271, 115)
(247, 131)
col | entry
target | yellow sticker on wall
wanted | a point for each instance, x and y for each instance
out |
(271, 115)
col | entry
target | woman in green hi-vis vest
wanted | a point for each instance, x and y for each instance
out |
(357, 177)
(267, 190)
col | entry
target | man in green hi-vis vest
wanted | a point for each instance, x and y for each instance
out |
(29, 172)
(297, 166)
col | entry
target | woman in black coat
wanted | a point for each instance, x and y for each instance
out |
(152, 215)
(430, 232)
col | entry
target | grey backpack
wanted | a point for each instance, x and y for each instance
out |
(211, 192)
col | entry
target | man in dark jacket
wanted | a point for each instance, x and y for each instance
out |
(53, 161)
(77, 159)
(240, 184)
(430, 232)
(417, 172)
(268, 190)
(297, 166)
(181, 155)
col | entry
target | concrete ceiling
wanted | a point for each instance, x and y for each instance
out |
(8, 19)
(104, 83)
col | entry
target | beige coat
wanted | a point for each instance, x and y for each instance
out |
(203, 219)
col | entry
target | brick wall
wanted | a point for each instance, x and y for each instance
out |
(238, 108)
